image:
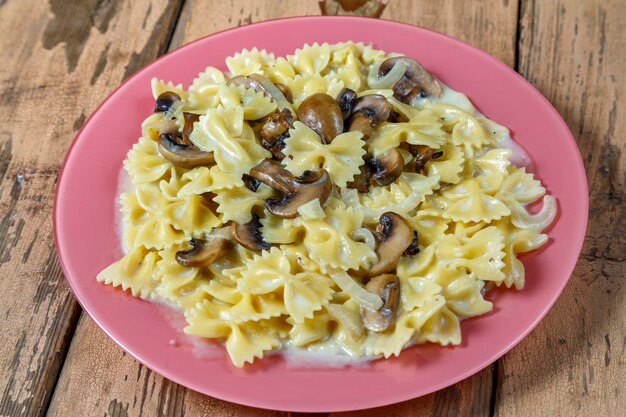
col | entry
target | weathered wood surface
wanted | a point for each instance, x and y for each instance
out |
(573, 364)
(59, 60)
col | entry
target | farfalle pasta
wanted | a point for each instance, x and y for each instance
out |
(339, 199)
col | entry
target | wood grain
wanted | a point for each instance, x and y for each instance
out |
(59, 60)
(128, 397)
(100, 379)
(490, 25)
(573, 363)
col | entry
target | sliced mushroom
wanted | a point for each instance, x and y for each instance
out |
(275, 125)
(321, 113)
(183, 155)
(276, 145)
(207, 200)
(375, 106)
(422, 155)
(394, 236)
(296, 190)
(190, 119)
(273, 175)
(388, 167)
(386, 286)
(361, 181)
(415, 81)
(251, 183)
(165, 101)
(345, 101)
(203, 252)
(367, 112)
(249, 235)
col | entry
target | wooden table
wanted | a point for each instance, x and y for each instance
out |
(59, 59)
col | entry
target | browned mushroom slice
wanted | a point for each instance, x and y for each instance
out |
(375, 106)
(273, 175)
(249, 235)
(183, 155)
(275, 125)
(207, 200)
(250, 183)
(361, 181)
(276, 146)
(296, 190)
(345, 100)
(165, 101)
(203, 252)
(321, 113)
(306, 188)
(387, 287)
(367, 112)
(394, 236)
(422, 155)
(388, 167)
(415, 81)
(190, 119)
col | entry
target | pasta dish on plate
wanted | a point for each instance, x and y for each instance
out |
(339, 200)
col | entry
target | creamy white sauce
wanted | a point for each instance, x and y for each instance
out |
(328, 354)
(519, 158)
(201, 347)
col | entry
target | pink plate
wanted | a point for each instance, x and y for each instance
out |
(87, 239)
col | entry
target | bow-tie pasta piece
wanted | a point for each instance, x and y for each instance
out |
(481, 254)
(341, 158)
(472, 204)
(249, 62)
(135, 271)
(203, 92)
(244, 340)
(145, 164)
(311, 59)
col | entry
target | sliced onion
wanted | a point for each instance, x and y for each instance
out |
(273, 91)
(392, 77)
(359, 294)
(521, 218)
(364, 235)
(223, 233)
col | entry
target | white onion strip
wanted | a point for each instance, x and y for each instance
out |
(356, 292)
(524, 220)
(392, 77)
(364, 235)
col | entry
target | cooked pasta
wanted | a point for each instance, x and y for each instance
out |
(337, 199)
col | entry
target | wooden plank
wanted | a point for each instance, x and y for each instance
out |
(59, 59)
(573, 363)
(490, 25)
(100, 379)
(469, 398)
(114, 391)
